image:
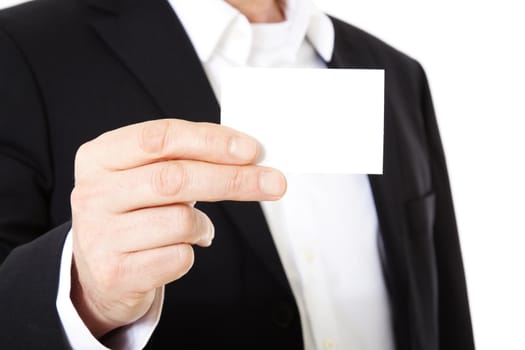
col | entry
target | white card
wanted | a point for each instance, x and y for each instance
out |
(309, 120)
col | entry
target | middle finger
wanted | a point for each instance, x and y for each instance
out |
(169, 182)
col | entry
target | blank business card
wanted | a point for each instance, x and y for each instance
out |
(309, 120)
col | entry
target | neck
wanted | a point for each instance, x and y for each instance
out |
(260, 11)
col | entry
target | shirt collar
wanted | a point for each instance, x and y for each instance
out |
(210, 23)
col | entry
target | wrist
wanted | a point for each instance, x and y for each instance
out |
(97, 324)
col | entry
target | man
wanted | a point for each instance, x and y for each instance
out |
(80, 79)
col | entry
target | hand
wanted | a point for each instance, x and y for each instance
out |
(133, 218)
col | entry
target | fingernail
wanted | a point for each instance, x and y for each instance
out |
(262, 154)
(243, 148)
(208, 239)
(272, 183)
(205, 242)
(211, 232)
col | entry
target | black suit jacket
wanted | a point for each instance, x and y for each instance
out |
(70, 70)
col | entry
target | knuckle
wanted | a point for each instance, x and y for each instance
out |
(210, 139)
(146, 271)
(186, 217)
(137, 299)
(88, 195)
(211, 227)
(154, 137)
(81, 151)
(81, 157)
(236, 181)
(80, 198)
(168, 180)
(76, 197)
(107, 276)
(207, 229)
(104, 280)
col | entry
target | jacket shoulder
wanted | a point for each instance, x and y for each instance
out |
(381, 53)
(41, 18)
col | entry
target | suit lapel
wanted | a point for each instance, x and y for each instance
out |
(386, 188)
(149, 39)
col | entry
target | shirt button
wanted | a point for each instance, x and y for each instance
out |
(329, 344)
(309, 255)
(237, 35)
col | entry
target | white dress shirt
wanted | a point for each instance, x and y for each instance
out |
(325, 227)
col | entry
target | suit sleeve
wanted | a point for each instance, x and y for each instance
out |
(455, 329)
(28, 274)
(28, 291)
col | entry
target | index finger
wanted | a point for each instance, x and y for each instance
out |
(164, 139)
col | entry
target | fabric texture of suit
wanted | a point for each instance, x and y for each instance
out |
(71, 70)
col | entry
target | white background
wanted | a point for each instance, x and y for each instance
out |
(474, 55)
